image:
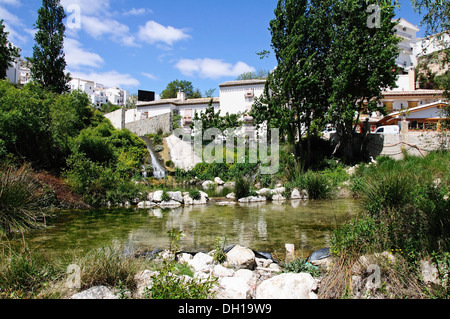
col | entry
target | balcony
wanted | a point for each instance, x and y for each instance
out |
(404, 35)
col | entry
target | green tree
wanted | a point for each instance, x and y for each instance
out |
(360, 63)
(7, 51)
(176, 86)
(296, 90)
(261, 74)
(48, 59)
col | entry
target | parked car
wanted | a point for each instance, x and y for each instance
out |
(390, 129)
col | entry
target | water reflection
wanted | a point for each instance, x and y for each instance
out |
(260, 226)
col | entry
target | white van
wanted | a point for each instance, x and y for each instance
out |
(391, 129)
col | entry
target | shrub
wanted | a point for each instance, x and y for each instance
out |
(158, 148)
(242, 188)
(195, 194)
(165, 197)
(20, 200)
(301, 266)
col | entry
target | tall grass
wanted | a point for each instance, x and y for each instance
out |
(20, 200)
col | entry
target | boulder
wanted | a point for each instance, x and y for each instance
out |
(219, 181)
(278, 197)
(144, 281)
(245, 274)
(296, 194)
(170, 203)
(430, 273)
(304, 194)
(201, 263)
(233, 288)
(176, 196)
(157, 196)
(99, 292)
(288, 286)
(207, 184)
(203, 200)
(278, 190)
(146, 204)
(188, 201)
(231, 196)
(253, 199)
(184, 258)
(221, 271)
(241, 258)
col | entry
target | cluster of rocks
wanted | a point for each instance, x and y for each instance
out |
(276, 195)
(176, 199)
(242, 276)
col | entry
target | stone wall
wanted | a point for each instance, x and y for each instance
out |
(151, 125)
(414, 143)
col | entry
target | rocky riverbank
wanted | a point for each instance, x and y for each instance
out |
(244, 275)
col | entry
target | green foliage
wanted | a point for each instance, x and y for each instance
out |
(165, 197)
(48, 57)
(166, 285)
(7, 51)
(219, 254)
(242, 187)
(318, 185)
(211, 119)
(24, 274)
(405, 205)
(195, 194)
(20, 201)
(261, 74)
(301, 266)
(172, 89)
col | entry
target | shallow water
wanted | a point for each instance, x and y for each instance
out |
(262, 227)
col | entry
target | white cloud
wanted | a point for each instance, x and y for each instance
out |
(97, 21)
(14, 3)
(109, 79)
(13, 25)
(76, 56)
(137, 12)
(212, 68)
(149, 75)
(89, 7)
(154, 32)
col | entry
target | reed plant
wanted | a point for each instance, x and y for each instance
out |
(20, 200)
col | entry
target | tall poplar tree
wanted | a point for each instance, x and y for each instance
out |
(48, 59)
(7, 51)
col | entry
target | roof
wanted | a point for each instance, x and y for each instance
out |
(243, 82)
(405, 23)
(395, 114)
(178, 102)
(413, 93)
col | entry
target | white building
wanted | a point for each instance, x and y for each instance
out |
(98, 94)
(239, 96)
(408, 55)
(13, 72)
(432, 44)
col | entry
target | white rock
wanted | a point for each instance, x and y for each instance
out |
(263, 263)
(203, 200)
(170, 203)
(144, 281)
(157, 196)
(176, 196)
(184, 258)
(278, 190)
(188, 201)
(219, 181)
(264, 191)
(231, 196)
(278, 197)
(150, 196)
(207, 184)
(221, 271)
(245, 274)
(201, 262)
(146, 204)
(296, 194)
(233, 288)
(288, 286)
(429, 272)
(99, 292)
(304, 194)
(241, 258)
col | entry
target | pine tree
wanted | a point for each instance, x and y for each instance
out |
(7, 51)
(48, 56)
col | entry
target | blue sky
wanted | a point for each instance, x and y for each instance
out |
(144, 45)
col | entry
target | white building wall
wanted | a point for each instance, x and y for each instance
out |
(233, 99)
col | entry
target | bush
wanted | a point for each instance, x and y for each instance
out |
(242, 187)
(195, 194)
(20, 200)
